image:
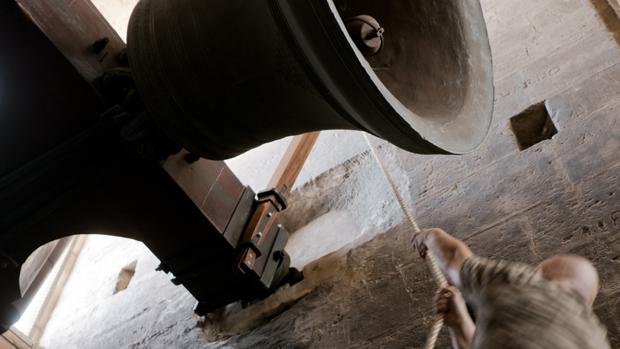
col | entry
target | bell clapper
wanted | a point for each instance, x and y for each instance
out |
(367, 34)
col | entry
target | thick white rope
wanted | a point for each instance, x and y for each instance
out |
(431, 261)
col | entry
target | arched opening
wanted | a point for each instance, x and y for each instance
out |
(65, 278)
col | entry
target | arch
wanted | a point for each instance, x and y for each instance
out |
(125, 198)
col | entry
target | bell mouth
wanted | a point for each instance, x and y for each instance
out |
(434, 67)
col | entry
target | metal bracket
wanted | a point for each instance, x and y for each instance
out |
(274, 196)
(276, 201)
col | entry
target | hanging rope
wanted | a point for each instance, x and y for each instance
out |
(431, 261)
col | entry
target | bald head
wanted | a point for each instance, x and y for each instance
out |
(573, 273)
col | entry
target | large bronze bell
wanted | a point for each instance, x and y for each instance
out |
(222, 77)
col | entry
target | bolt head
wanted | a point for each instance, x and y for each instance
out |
(278, 255)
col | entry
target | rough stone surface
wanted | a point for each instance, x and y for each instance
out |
(150, 313)
(559, 196)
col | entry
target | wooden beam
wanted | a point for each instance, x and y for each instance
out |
(292, 162)
(14, 339)
(58, 285)
(38, 266)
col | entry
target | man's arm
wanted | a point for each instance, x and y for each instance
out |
(451, 306)
(450, 252)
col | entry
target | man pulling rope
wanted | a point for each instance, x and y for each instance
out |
(516, 306)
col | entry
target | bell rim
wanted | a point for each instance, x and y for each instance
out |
(402, 133)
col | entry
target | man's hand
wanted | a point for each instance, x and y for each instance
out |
(449, 251)
(419, 242)
(422, 240)
(451, 305)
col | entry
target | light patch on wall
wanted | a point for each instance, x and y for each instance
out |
(326, 234)
(125, 276)
(117, 13)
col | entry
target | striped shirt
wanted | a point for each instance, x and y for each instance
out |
(516, 309)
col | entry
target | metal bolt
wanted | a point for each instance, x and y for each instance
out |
(269, 214)
(278, 255)
(367, 34)
(259, 235)
(100, 45)
(190, 158)
(122, 58)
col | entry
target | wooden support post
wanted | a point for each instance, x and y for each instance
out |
(14, 339)
(282, 181)
(38, 266)
(292, 162)
(51, 300)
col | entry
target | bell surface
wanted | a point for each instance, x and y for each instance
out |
(222, 77)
